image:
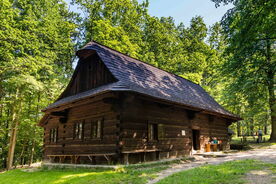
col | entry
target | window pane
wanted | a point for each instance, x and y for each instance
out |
(93, 130)
(161, 131)
(155, 132)
(99, 129)
(150, 131)
(51, 135)
(76, 130)
(80, 130)
(55, 135)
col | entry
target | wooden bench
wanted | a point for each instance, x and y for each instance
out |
(75, 157)
(126, 153)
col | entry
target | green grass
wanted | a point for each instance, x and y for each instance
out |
(80, 176)
(250, 139)
(134, 174)
(226, 173)
(251, 143)
(262, 145)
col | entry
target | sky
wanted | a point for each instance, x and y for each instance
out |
(183, 10)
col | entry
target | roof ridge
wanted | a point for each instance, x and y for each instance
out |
(142, 61)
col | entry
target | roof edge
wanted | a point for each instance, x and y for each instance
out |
(234, 117)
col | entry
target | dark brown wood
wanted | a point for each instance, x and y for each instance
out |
(90, 73)
(125, 116)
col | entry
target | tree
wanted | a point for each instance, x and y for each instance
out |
(250, 28)
(36, 50)
(114, 23)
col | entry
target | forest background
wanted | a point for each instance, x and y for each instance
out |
(233, 60)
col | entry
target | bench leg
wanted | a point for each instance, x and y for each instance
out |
(90, 159)
(76, 159)
(51, 159)
(126, 158)
(144, 156)
(108, 159)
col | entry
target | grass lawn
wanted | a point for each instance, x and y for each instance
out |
(251, 142)
(134, 174)
(227, 173)
(250, 139)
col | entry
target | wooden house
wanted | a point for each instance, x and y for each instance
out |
(117, 109)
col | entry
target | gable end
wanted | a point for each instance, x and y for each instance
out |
(90, 73)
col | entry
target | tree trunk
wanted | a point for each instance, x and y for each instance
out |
(16, 109)
(248, 127)
(252, 130)
(32, 151)
(251, 127)
(272, 106)
(271, 92)
(239, 129)
(12, 141)
(21, 154)
(265, 128)
(33, 142)
(6, 138)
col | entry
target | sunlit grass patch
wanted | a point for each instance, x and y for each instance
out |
(227, 173)
(135, 174)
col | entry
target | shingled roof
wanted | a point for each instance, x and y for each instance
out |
(137, 76)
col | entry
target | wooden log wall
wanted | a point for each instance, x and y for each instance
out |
(219, 129)
(92, 111)
(136, 115)
(125, 128)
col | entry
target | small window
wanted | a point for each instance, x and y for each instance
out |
(53, 134)
(161, 131)
(78, 130)
(152, 131)
(96, 129)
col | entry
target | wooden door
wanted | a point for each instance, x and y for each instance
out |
(196, 139)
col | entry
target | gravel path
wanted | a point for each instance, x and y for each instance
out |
(266, 155)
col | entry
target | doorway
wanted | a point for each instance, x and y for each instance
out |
(196, 140)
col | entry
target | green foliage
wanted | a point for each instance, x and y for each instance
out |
(250, 66)
(35, 62)
(126, 26)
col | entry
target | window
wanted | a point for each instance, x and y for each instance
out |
(152, 131)
(161, 131)
(156, 131)
(53, 134)
(78, 130)
(96, 129)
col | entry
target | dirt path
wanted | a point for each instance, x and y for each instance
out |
(266, 155)
(260, 177)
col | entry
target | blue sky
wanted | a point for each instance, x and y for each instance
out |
(183, 10)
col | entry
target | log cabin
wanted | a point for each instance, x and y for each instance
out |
(117, 109)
